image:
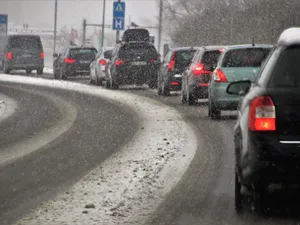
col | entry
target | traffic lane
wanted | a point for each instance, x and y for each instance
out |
(205, 195)
(34, 114)
(100, 129)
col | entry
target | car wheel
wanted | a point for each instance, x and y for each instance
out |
(238, 197)
(5, 69)
(165, 91)
(113, 84)
(55, 74)
(183, 98)
(190, 99)
(62, 74)
(159, 90)
(40, 71)
(28, 71)
(213, 112)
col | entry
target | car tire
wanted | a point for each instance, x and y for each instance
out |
(40, 71)
(55, 74)
(164, 90)
(28, 71)
(190, 99)
(213, 112)
(62, 74)
(5, 69)
(159, 90)
(183, 98)
(238, 197)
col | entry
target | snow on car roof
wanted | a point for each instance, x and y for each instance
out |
(290, 36)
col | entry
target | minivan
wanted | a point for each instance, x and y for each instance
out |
(21, 52)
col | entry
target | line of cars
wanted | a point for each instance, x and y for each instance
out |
(262, 83)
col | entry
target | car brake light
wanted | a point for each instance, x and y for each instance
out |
(219, 76)
(120, 61)
(198, 69)
(68, 60)
(262, 115)
(9, 55)
(175, 83)
(172, 63)
(221, 50)
(102, 62)
(42, 55)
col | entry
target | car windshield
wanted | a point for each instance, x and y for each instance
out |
(247, 57)
(87, 54)
(184, 58)
(137, 50)
(286, 72)
(25, 42)
(211, 57)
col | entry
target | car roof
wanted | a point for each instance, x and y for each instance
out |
(184, 48)
(216, 47)
(290, 36)
(248, 46)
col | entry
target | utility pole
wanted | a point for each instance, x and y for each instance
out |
(103, 24)
(118, 32)
(160, 24)
(55, 27)
(83, 32)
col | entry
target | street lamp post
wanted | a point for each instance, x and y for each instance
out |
(55, 26)
(103, 24)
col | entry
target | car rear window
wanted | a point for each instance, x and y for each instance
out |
(25, 42)
(184, 58)
(132, 50)
(211, 57)
(286, 72)
(88, 54)
(136, 35)
(247, 57)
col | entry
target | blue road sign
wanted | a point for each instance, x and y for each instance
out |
(3, 24)
(118, 15)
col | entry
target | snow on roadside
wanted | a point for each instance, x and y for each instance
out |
(7, 107)
(130, 185)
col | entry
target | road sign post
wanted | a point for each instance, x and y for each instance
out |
(3, 24)
(118, 17)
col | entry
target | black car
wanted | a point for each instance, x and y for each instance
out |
(73, 61)
(21, 52)
(133, 63)
(267, 133)
(174, 64)
(195, 79)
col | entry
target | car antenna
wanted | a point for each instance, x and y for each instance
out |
(253, 42)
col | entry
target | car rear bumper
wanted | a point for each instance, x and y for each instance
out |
(74, 70)
(270, 161)
(22, 66)
(199, 90)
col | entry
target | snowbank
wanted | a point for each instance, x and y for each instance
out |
(7, 107)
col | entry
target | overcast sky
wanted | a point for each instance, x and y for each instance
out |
(40, 13)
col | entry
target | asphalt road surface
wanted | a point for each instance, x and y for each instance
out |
(38, 176)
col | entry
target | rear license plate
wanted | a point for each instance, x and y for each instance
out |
(84, 62)
(139, 63)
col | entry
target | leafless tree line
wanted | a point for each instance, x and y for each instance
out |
(210, 22)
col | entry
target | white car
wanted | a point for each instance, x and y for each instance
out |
(98, 66)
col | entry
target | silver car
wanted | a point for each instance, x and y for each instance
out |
(98, 66)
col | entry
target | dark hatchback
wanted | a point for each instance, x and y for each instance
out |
(267, 133)
(133, 63)
(73, 61)
(21, 52)
(174, 64)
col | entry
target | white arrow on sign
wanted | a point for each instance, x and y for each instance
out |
(119, 8)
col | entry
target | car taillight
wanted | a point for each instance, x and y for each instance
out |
(175, 83)
(9, 55)
(198, 70)
(68, 60)
(219, 76)
(102, 62)
(120, 61)
(262, 116)
(42, 55)
(172, 63)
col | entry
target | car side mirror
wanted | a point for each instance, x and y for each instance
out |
(108, 54)
(55, 55)
(239, 87)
